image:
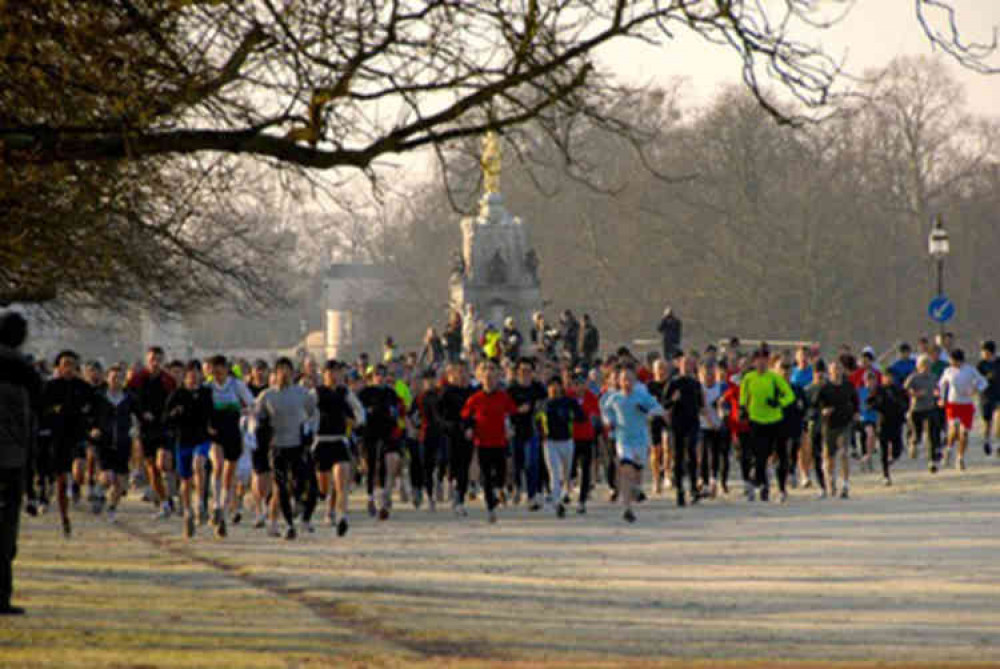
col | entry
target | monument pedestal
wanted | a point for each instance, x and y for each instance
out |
(496, 270)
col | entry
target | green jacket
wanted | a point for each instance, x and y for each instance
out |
(764, 396)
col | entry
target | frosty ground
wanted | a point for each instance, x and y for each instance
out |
(901, 575)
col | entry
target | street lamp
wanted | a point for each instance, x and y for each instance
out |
(939, 247)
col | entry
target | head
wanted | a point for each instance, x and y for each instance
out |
(284, 370)
(836, 371)
(192, 378)
(868, 357)
(802, 357)
(555, 387)
(761, 360)
(154, 359)
(905, 351)
(988, 350)
(456, 374)
(871, 379)
(689, 364)
(207, 370)
(626, 378)
(116, 378)
(331, 374)
(220, 368)
(13, 329)
(93, 373)
(379, 375)
(508, 323)
(428, 380)
(923, 345)
(525, 371)
(489, 375)
(661, 371)
(176, 371)
(259, 373)
(708, 374)
(819, 371)
(923, 363)
(783, 366)
(957, 357)
(67, 364)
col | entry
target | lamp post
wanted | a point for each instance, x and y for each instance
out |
(939, 247)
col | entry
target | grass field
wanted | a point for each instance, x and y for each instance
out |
(893, 577)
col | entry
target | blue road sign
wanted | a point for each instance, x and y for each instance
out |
(941, 309)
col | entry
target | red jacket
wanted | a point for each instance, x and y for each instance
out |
(488, 413)
(583, 430)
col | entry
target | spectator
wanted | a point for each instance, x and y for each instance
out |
(670, 331)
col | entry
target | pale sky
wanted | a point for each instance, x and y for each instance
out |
(872, 34)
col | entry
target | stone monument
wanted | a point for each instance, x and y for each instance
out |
(496, 270)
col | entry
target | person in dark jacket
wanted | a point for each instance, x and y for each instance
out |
(892, 404)
(453, 337)
(670, 331)
(590, 342)
(20, 400)
(117, 413)
(570, 335)
(68, 404)
(188, 412)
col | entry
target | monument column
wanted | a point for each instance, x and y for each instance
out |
(496, 269)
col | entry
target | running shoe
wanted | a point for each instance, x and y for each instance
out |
(460, 511)
(843, 493)
(581, 509)
(822, 494)
(67, 528)
(640, 497)
(372, 510)
(188, 525)
(237, 517)
(273, 531)
(383, 513)
(782, 497)
(491, 517)
(418, 499)
(886, 481)
(629, 516)
(933, 468)
(220, 529)
(331, 518)
(31, 508)
(309, 527)
(342, 527)
(202, 514)
(681, 499)
(765, 494)
(11, 610)
(960, 463)
(431, 503)
(260, 523)
(560, 510)
(751, 493)
(987, 449)
(290, 533)
(535, 506)
(112, 516)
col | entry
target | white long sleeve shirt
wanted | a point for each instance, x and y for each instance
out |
(959, 385)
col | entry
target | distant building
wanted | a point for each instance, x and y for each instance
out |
(357, 295)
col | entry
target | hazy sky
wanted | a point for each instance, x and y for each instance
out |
(872, 34)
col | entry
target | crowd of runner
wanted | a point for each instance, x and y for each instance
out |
(537, 422)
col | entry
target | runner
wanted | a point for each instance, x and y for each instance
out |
(714, 435)
(660, 452)
(230, 399)
(487, 414)
(925, 416)
(958, 384)
(455, 394)
(813, 447)
(118, 413)
(339, 411)
(528, 394)
(890, 402)
(382, 408)
(627, 412)
(151, 387)
(67, 406)
(685, 402)
(286, 407)
(558, 415)
(837, 402)
(989, 405)
(189, 411)
(763, 396)
(793, 423)
(427, 412)
(585, 433)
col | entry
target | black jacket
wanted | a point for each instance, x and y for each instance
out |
(20, 401)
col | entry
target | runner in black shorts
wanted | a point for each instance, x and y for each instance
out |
(338, 410)
(382, 411)
(117, 413)
(67, 401)
(151, 388)
(230, 399)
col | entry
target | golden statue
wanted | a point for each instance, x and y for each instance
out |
(490, 162)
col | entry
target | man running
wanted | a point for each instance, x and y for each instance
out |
(627, 411)
(339, 411)
(527, 394)
(685, 402)
(957, 388)
(230, 399)
(558, 414)
(763, 396)
(119, 412)
(890, 402)
(455, 394)
(67, 406)
(285, 408)
(382, 411)
(189, 412)
(838, 405)
(585, 432)
(487, 413)
(989, 369)
(151, 388)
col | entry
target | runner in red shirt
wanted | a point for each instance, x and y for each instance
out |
(584, 431)
(487, 413)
